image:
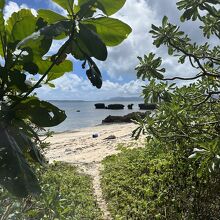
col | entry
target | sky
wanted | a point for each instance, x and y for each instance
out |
(118, 71)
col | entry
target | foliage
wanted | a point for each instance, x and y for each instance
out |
(66, 194)
(176, 176)
(187, 120)
(25, 42)
(147, 183)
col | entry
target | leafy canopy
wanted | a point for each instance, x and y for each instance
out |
(25, 42)
(187, 120)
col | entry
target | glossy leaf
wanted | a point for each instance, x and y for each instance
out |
(91, 44)
(49, 114)
(106, 6)
(36, 48)
(48, 32)
(50, 16)
(110, 7)
(94, 74)
(65, 66)
(111, 31)
(15, 174)
(21, 24)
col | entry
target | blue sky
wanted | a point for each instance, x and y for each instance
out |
(119, 77)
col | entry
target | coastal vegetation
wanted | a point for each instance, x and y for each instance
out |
(25, 43)
(176, 175)
(66, 194)
(147, 183)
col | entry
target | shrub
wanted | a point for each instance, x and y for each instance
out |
(146, 183)
(66, 194)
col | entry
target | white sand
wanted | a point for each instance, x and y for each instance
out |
(81, 149)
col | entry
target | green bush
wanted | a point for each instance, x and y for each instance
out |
(148, 184)
(66, 194)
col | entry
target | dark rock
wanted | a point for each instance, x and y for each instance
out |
(126, 118)
(111, 137)
(116, 106)
(95, 135)
(149, 106)
(130, 106)
(100, 106)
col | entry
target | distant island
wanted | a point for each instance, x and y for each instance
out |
(118, 99)
(139, 99)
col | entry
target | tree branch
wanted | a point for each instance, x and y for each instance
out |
(196, 59)
(207, 98)
(182, 78)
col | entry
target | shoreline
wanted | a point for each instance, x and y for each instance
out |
(80, 147)
(90, 127)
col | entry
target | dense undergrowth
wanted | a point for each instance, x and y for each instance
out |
(145, 184)
(66, 194)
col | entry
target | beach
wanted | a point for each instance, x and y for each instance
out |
(81, 149)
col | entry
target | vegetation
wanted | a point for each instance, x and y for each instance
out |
(25, 41)
(66, 194)
(146, 183)
(177, 175)
(187, 120)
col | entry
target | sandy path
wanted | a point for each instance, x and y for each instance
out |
(79, 148)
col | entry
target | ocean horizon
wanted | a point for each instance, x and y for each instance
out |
(82, 114)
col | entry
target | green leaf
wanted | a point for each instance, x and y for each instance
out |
(30, 67)
(66, 4)
(51, 85)
(21, 25)
(91, 44)
(106, 6)
(15, 174)
(110, 7)
(2, 30)
(2, 4)
(170, 51)
(49, 114)
(155, 28)
(2, 22)
(48, 32)
(63, 67)
(50, 16)
(53, 76)
(164, 21)
(111, 31)
(85, 8)
(76, 51)
(187, 14)
(17, 81)
(26, 144)
(94, 74)
(35, 47)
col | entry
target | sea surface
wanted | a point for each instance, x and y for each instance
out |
(88, 116)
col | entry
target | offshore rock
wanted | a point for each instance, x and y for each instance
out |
(149, 106)
(125, 118)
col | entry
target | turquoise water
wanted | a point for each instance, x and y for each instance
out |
(88, 115)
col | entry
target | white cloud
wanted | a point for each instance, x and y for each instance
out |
(12, 7)
(71, 86)
(123, 58)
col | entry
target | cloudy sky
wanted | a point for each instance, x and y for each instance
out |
(119, 77)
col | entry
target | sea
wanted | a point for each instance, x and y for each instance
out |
(82, 114)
